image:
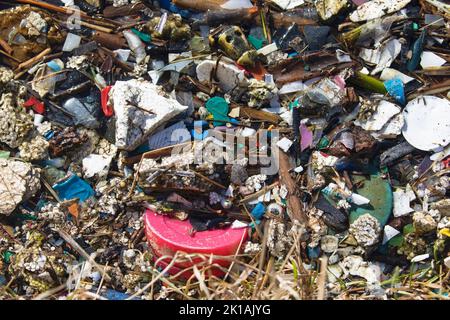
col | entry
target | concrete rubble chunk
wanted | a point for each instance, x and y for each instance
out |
(19, 181)
(140, 108)
(228, 75)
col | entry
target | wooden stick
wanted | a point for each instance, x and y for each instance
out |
(82, 252)
(52, 7)
(322, 280)
(259, 193)
(6, 46)
(209, 180)
(9, 56)
(33, 60)
(293, 202)
(91, 26)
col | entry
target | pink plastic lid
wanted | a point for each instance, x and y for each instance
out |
(167, 235)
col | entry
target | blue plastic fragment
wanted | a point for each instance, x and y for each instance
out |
(259, 210)
(116, 295)
(198, 132)
(49, 134)
(346, 164)
(396, 89)
(74, 187)
(168, 5)
(54, 66)
(313, 253)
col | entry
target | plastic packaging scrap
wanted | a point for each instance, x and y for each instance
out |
(221, 149)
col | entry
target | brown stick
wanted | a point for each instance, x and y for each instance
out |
(200, 5)
(295, 211)
(52, 7)
(6, 46)
(33, 60)
(322, 280)
(209, 180)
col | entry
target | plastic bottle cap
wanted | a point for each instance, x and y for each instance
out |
(167, 235)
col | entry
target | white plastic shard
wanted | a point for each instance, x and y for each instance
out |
(427, 124)
(389, 73)
(237, 224)
(284, 144)
(356, 266)
(268, 49)
(429, 59)
(376, 9)
(385, 111)
(237, 4)
(359, 199)
(140, 108)
(292, 87)
(389, 233)
(383, 56)
(228, 75)
(19, 181)
(96, 164)
(402, 201)
(391, 129)
(288, 4)
(420, 257)
(72, 42)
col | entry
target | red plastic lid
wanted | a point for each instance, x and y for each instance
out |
(182, 273)
(167, 235)
(107, 109)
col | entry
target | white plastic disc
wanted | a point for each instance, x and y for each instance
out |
(427, 123)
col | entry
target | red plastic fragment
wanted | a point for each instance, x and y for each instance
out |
(167, 235)
(37, 105)
(107, 108)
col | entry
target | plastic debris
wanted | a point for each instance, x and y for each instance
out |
(224, 149)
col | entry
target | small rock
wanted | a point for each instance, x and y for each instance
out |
(423, 223)
(329, 244)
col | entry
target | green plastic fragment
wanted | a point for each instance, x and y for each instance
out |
(143, 36)
(396, 241)
(7, 256)
(379, 192)
(415, 26)
(219, 108)
(4, 154)
(255, 42)
(409, 228)
(23, 216)
(323, 143)
(367, 82)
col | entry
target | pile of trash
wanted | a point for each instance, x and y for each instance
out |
(182, 149)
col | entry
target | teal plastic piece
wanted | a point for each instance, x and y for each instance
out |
(74, 187)
(416, 52)
(219, 108)
(379, 192)
(255, 42)
(143, 36)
